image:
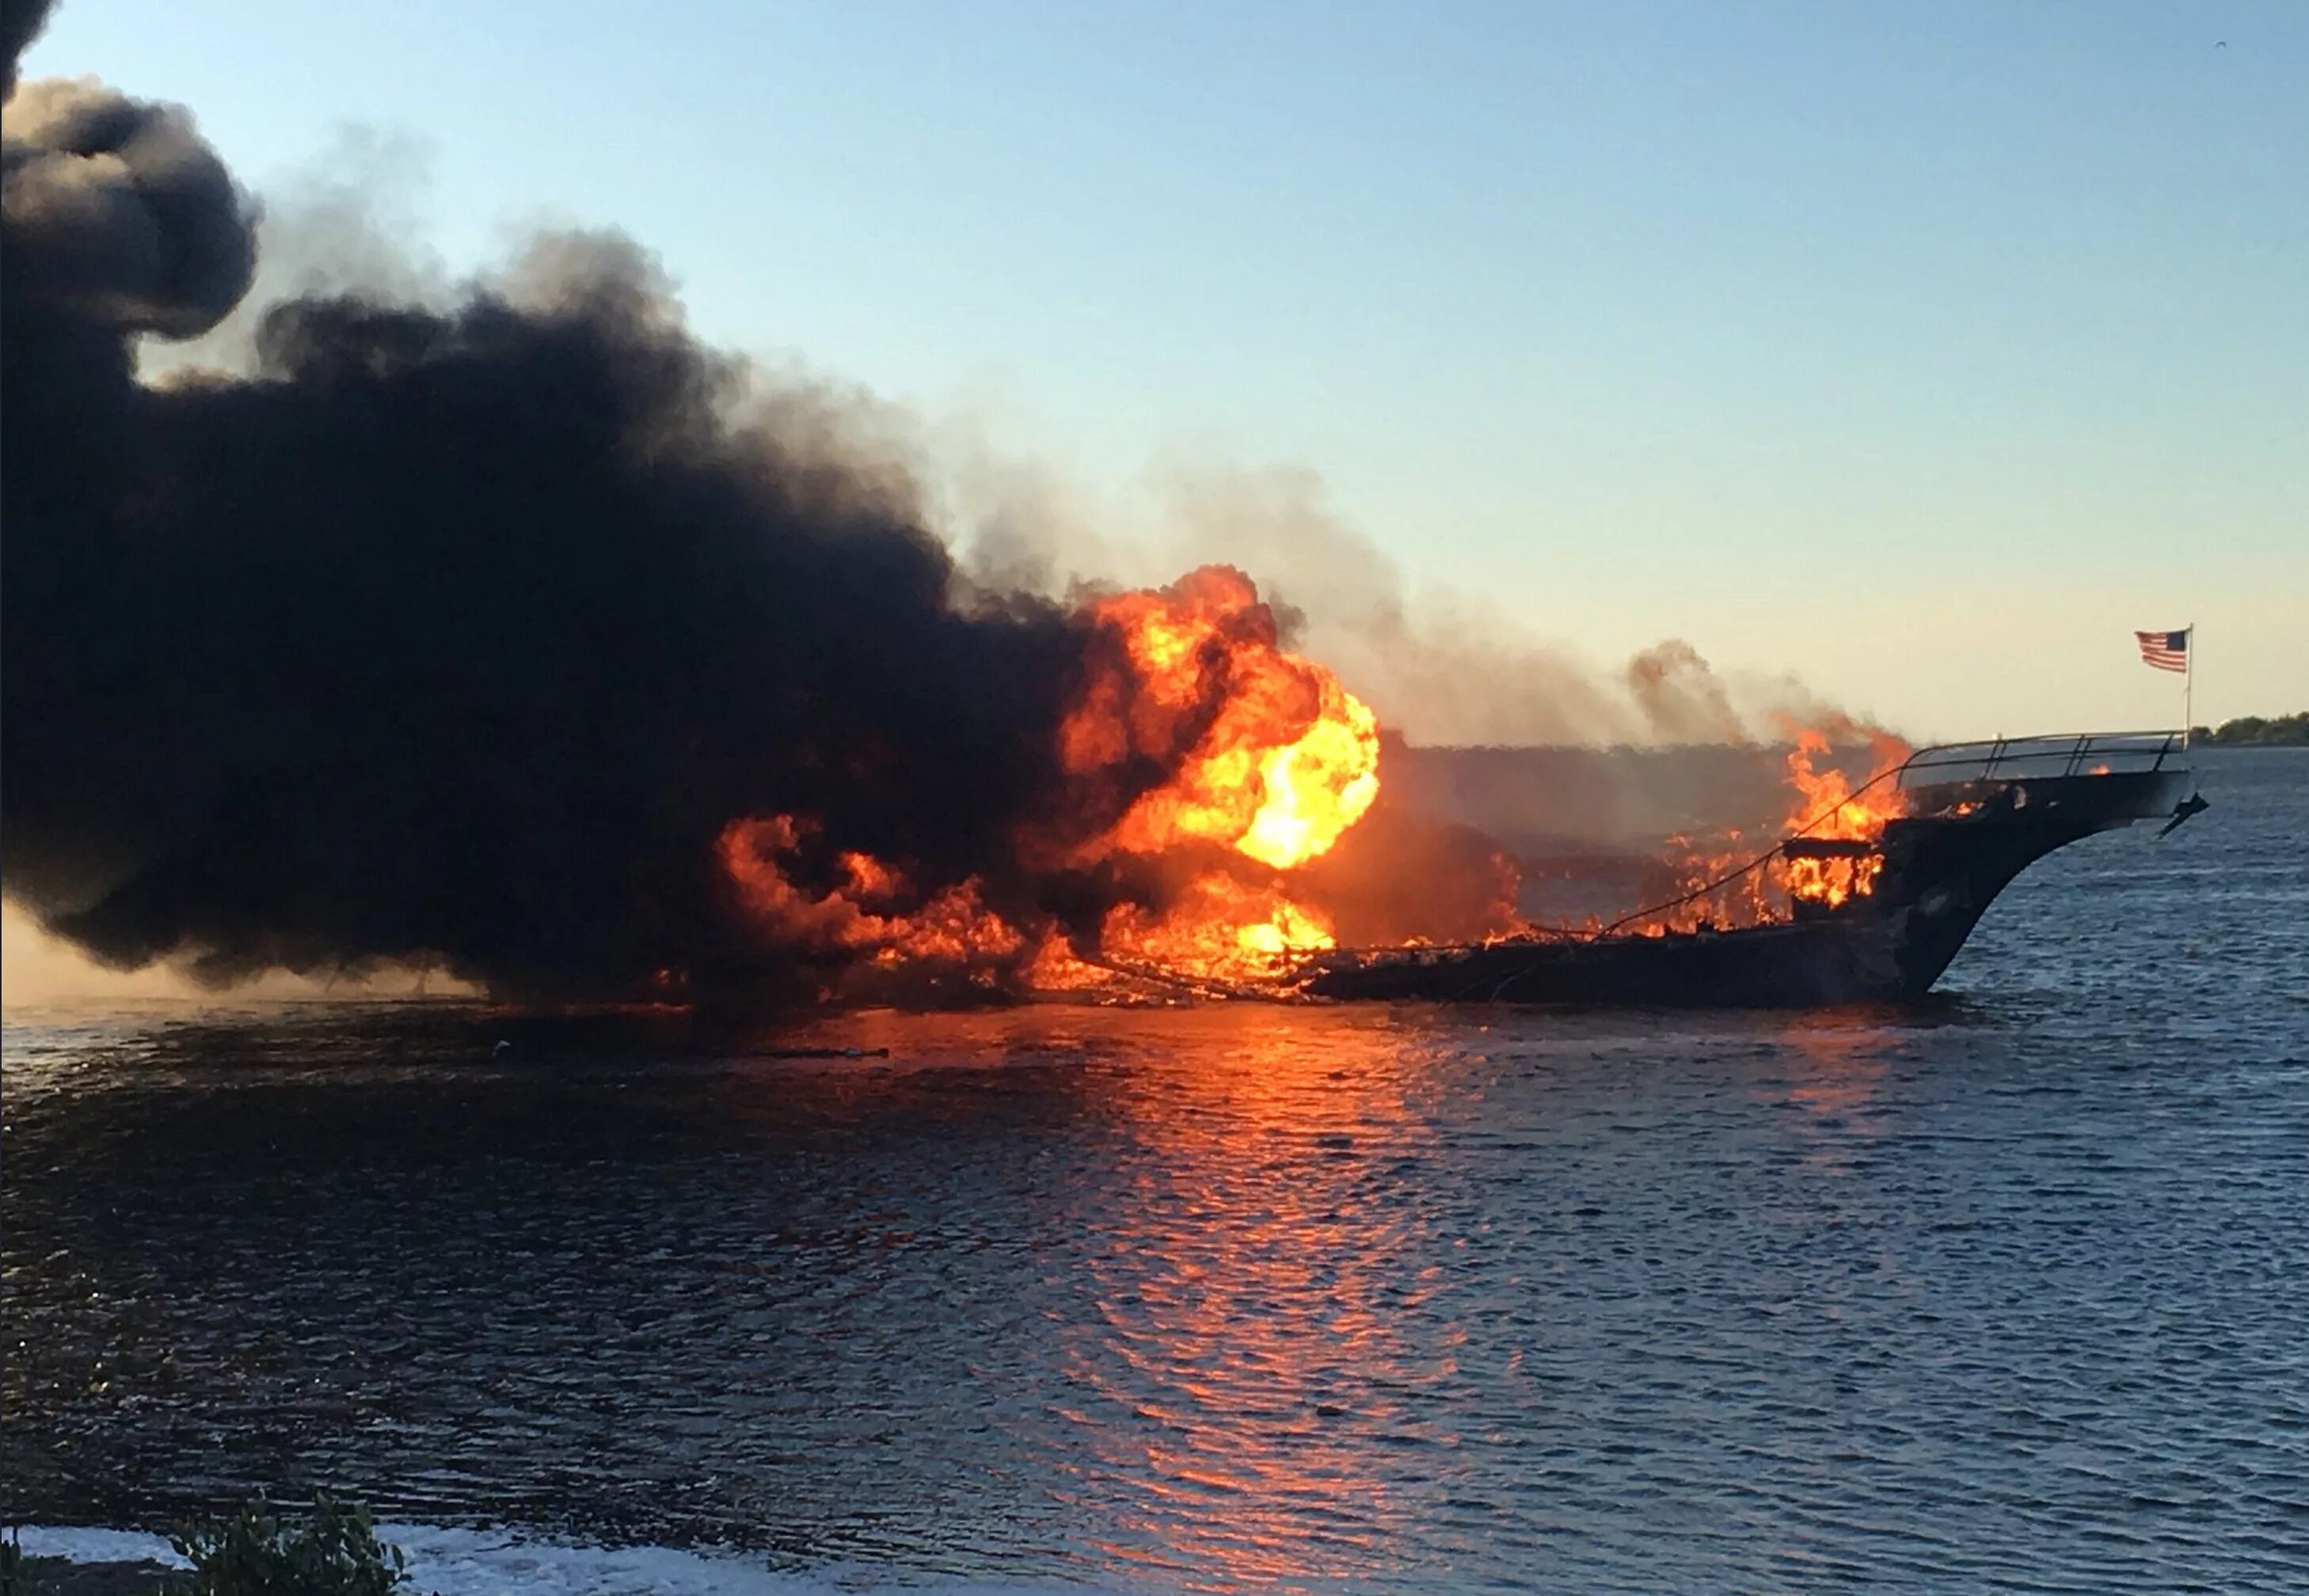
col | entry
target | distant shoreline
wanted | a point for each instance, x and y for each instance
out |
(2254, 731)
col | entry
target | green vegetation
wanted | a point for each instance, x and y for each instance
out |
(2285, 731)
(335, 1552)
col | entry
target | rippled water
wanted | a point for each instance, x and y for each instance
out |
(2009, 1291)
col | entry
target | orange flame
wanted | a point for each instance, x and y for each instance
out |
(953, 927)
(1219, 929)
(1289, 760)
(1282, 761)
(1271, 762)
(1852, 815)
(1722, 885)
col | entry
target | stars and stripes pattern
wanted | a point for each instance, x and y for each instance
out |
(2165, 651)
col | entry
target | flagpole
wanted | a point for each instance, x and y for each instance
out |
(2189, 689)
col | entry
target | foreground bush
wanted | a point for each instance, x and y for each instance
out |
(335, 1552)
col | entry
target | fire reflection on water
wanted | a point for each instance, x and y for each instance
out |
(1839, 1063)
(1251, 1325)
(1237, 1297)
(1249, 1300)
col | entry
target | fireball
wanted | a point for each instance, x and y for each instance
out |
(1273, 758)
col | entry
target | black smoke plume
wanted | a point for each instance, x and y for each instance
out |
(449, 637)
(20, 21)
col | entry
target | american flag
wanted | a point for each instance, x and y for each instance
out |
(2166, 651)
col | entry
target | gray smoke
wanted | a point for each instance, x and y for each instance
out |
(1440, 668)
(1682, 698)
(118, 213)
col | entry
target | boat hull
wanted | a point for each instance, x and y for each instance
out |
(1941, 869)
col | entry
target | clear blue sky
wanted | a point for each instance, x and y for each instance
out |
(1926, 350)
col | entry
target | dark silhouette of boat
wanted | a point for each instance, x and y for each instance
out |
(1976, 816)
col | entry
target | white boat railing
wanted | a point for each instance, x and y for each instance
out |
(2070, 753)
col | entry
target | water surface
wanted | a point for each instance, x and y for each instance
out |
(2002, 1292)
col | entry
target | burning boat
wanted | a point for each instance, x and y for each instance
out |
(706, 711)
(1219, 831)
(1876, 910)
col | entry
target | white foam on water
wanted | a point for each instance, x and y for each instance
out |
(96, 1546)
(460, 1562)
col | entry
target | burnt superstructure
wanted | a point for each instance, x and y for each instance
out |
(1975, 815)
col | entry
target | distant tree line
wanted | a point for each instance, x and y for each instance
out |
(2283, 731)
